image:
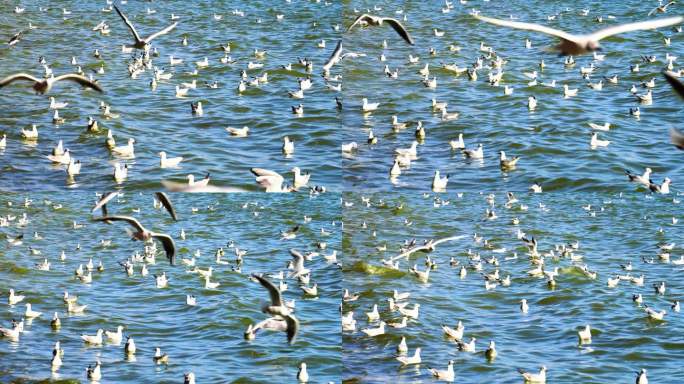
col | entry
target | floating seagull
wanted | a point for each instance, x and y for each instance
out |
(143, 43)
(447, 375)
(145, 235)
(94, 373)
(536, 378)
(579, 44)
(378, 21)
(641, 377)
(168, 162)
(43, 86)
(585, 335)
(644, 179)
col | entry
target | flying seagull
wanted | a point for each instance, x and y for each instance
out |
(43, 86)
(164, 199)
(676, 137)
(377, 21)
(144, 235)
(579, 44)
(334, 57)
(278, 308)
(102, 203)
(143, 43)
(428, 247)
(661, 8)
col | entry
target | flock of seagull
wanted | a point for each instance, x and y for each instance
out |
(281, 315)
(501, 82)
(145, 62)
(509, 266)
(399, 314)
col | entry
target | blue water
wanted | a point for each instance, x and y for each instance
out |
(553, 141)
(586, 199)
(623, 229)
(206, 339)
(157, 119)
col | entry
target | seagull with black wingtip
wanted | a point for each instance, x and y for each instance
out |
(279, 309)
(367, 19)
(144, 234)
(143, 43)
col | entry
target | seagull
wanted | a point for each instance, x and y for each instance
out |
(537, 378)
(506, 163)
(579, 44)
(94, 374)
(676, 137)
(334, 57)
(585, 335)
(96, 339)
(447, 375)
(43, 86)
(662, 8)
(298, 264)
(144, 234)
(15, 39)
(415, 359)
(378, 21)
(166, 203)
(278, 308)
(641, 377)
(143, 43)
(596, 142)
(644, 179)
(13, 299)
(429, 246)
(159, 357)
(302, 374)
(168, 162)
(272, 181)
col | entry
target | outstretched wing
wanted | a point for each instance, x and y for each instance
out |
(334, 57)
(528, 26)
(169, 246)
(651, 24)
(162, 32)
(394, 23)
(292, 328)
(263, 172)
(164, 199)
(18, 76)
(358, 20)
(130, 220)
(84, 81)
(674, 83)
(276, 298)
(106, 198)
(128, 23)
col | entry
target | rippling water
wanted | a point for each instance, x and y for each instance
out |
(624, 229)
(157, 119)
(206, 339)
(553, 141)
